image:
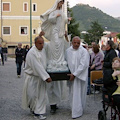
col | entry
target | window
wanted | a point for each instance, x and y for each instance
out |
(34, 31)
(23, 30)
(25, 7)
(34, 8)
(12, 46)
(6, 30)
(6, 7)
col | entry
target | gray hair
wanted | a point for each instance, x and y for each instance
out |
(76, 37)
(115, 46)
(35, 40)
(19, 43)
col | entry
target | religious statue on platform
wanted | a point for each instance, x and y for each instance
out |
(54, 22)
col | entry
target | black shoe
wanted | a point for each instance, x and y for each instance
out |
(53, 109)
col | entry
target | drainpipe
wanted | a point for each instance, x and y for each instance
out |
(30, 23)
(1, 23)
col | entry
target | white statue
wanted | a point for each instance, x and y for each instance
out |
(54, 21)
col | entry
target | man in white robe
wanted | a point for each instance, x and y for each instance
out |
(78, 62)
(34, 93)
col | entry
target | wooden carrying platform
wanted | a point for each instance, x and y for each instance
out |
(58, 76)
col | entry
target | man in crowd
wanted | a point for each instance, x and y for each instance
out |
(78, 62)
(34, 94)
(1, 55)
(19, 58)
(5, 52)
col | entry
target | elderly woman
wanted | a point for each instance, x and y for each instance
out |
(110, 54)
(96, 58)
(96, 61)
(116, 73)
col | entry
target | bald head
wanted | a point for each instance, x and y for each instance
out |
(76, 42)
(19, 45)
(39, 42)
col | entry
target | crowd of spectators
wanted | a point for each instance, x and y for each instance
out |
(101, 58)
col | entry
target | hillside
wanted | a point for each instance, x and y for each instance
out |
(118, 18)
(84, 14)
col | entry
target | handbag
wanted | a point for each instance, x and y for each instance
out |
(98, 81)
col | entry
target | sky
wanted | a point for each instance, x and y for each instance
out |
(110, 7)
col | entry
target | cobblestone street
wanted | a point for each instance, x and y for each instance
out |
(11, 95)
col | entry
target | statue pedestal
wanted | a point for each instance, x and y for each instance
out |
(59, 76)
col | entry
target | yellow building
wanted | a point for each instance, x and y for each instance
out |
(15, 20)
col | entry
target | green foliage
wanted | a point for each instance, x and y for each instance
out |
(94, 33)
(84, 15)
(87, 39)
(118, 35)
(73, 27)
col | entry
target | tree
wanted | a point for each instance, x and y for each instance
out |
(86, 38)
(95, 33)
(73, 26)
(118, 36)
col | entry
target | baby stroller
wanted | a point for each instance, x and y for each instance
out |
(108, 103)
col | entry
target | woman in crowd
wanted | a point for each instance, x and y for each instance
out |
(25, 53)
(116, 73)
(96, 59)
(110, 54)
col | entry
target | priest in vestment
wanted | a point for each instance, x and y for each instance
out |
(78, 62)
(34, 93)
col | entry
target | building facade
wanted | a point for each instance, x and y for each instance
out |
(15, 20)
(109, 36)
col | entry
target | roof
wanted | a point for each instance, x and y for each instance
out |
(112, 34)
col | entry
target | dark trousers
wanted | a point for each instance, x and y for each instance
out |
(5, 56)
(19, 65)
(2, 57)
(116, 99)
(88, 87)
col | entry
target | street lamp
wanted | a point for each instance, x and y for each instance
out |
(30, 23)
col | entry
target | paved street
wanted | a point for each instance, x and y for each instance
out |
(10, 99)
